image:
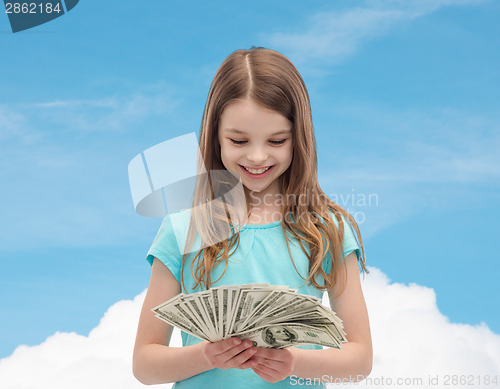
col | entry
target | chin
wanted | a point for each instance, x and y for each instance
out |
(255, 190)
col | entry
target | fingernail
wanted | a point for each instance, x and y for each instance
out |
(236, 341)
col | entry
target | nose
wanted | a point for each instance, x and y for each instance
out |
(257, 155)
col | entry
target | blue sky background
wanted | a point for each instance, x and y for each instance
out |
(405, 101)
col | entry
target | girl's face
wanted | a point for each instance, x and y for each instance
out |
(254, 137)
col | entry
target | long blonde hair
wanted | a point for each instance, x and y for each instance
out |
(271, 80)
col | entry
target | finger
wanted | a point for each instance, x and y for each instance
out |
(240, 360)
(225, 345)
(236, 350)
(249, 363)
(264, 375)
(275, 365)
(272, 370)
(270, 353)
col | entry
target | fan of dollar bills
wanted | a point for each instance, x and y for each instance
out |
(268, 315)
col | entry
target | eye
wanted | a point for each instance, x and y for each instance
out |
(274, 142)
(278, 142)
(237, 142)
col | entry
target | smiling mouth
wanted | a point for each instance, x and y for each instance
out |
(256, 172)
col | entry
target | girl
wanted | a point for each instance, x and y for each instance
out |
(257, 126)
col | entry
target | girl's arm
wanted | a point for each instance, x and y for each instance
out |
(352, 362)
(156, 363)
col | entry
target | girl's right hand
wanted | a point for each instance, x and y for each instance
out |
(229, 353)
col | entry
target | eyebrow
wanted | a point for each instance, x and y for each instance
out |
(235, 130)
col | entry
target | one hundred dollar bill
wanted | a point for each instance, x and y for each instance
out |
(268, 315)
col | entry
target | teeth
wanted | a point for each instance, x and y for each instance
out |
(257, 171)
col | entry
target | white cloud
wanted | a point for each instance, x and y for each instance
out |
(104, 103)
(62, 196)
(419, 7)
(114, 113)
(412, 161)
(103, 359)
(335, 35)
(411, 339)
(63, 186)
(441, 145)
(14, 125)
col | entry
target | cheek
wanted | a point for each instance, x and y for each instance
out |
(288, 154)
(228, 156)
(223, 149)
(226, 153)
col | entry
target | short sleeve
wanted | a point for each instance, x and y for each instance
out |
(350, 243)
(166, 249)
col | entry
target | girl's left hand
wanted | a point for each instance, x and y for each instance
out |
(273, 365)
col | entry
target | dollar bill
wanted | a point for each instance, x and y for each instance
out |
(268, 315)
(289, 334)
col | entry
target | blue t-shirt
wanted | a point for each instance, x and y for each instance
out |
(262, 256)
